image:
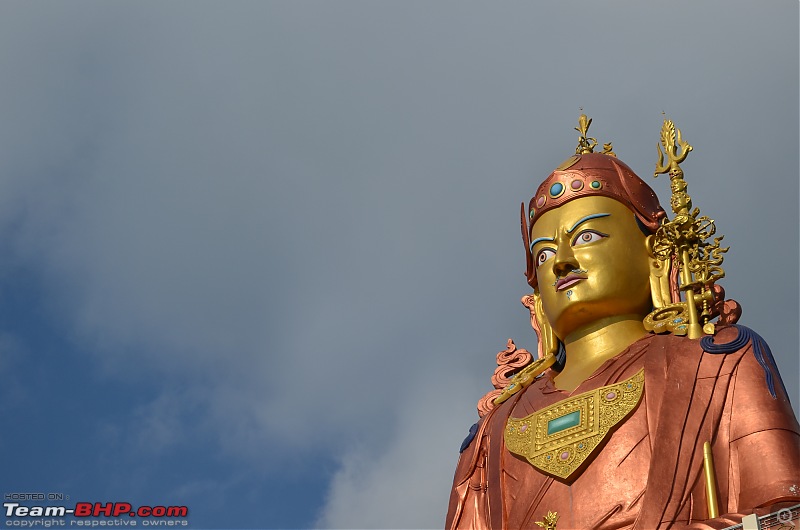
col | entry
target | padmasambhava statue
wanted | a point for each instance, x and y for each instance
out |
(639, 411)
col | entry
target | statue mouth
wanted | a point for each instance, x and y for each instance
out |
(568, 281)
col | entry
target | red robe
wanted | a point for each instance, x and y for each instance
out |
(649, 472)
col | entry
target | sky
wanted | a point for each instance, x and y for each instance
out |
(258, 257)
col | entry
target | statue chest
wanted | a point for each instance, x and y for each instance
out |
(585, 456)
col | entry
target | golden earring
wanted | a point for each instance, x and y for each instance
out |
(659, 277)
(548, 342)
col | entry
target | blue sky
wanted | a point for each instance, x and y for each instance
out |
(258, 257)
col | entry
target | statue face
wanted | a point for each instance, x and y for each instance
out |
(591, 262)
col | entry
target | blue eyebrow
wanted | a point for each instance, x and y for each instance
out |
(588, 217)
(539, 240)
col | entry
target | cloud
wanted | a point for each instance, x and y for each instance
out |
(404, 481)
(276, 220)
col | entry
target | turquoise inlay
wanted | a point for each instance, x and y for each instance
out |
(539, 240)
(595, 184)
(556, 189)
(564, 422)
(587, 218)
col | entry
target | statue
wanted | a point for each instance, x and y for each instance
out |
(640, 411)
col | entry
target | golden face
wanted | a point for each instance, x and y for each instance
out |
(591, 263)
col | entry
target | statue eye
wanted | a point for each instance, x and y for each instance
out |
(544, 255)
(587, 236)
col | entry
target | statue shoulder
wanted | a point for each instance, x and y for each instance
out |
(741, 339)
(734, 341)
(732, 348)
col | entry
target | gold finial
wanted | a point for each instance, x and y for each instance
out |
(585, 144)
(668, 138)
(609, 150)
(683, 240)
(549, 521)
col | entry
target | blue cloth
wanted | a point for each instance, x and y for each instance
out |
(761, 352)
(471, 436)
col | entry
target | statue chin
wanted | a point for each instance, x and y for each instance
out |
(583, 318)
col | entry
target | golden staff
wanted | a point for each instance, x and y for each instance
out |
(711, 481)
(684, 238)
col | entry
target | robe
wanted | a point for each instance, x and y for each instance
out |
(648, 472)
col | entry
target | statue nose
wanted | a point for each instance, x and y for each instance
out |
(564, 261)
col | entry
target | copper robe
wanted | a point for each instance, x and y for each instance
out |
(648, 473)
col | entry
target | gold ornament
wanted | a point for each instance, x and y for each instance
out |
(549, 521)
(525, 377)
(683, 240)
(559, 438)
(586, 144)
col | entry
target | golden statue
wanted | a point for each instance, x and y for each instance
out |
(647, 406)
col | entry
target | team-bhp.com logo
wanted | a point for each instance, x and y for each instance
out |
(88, 514)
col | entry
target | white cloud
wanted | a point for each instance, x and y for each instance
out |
(404, 480)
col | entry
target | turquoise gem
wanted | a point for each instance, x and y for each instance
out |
(556, 189)
(564, 422)
(595, 184)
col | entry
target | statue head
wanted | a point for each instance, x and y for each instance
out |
(591, 175)
(607, 265)
(588, 246)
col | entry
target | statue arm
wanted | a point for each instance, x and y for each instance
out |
(764, 441)
(757, 450)
(468, 504)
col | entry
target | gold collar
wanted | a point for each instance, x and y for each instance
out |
(559, 438)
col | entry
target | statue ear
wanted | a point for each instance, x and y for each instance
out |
(659, 277)
(548, 342)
